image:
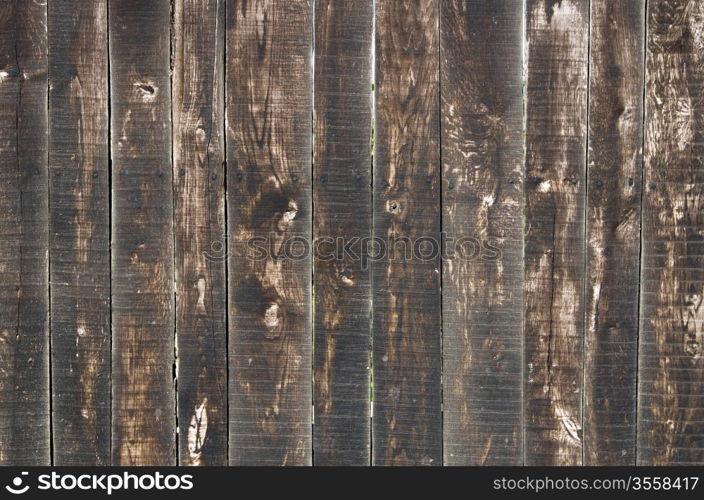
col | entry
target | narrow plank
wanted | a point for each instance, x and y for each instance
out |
(24, 284)
(143, 399)
(556, 100)
(199, 226)
(269, 147)
(613, 230)
(481, 65)
(671, 366)
(342, 201)
(79, 228)
(407, 422)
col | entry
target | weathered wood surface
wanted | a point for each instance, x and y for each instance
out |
(407, 423)
(615, 163)
(143, 396)
(199, 230)
(671, 366)
(556, 107)
(342, 201)
(269, 147)
(79, 228)
(24, 283)
(482, 153)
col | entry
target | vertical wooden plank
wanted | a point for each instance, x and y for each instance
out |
(556, 99)
(269, 147)
(79, 217)
(481, 61)
(407, 421)
(24, 285)
(342, 201)
(671, 366)
(143, 399)
(613, 230)
(199, 226)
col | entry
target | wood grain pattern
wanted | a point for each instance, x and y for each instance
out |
(615, 163)
(24, 285)
(79, 227)
(342, 201)
(143, 398)
(556, 100)
(407, 422)
(671, 366)
(199, 227)
(482, 153)
(269, 147)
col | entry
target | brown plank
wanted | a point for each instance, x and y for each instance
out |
(24, 284)
(481, 64)
(269, 145)
(342, 201)
(407, 421)
(671, 366)
(615, 163)
(556, 100)
(199, 227)
(79, 218)
(143, 399)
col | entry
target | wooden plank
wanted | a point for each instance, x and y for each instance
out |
(613, 230)
(143, 399)
(556, 99)
(671, 366)
(79, 222)
(24, 284)
(342, 201)
(481, 64)
(199, 226)
(407, 421)
(269, 146)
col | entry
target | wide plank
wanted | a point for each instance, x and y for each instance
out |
(407, 419)
(79, 228)
(342, 216)
(556, 136)
(143, 397)
(269, 106)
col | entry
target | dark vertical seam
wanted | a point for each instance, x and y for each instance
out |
(440, 245)
(524, 119)
(110, 218)
(48, 253)
(172, 12)
(372, 162)
(226, 238)
(640, 238)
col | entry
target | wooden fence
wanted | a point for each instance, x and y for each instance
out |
(522, 180)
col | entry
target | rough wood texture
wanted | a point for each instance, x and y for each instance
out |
(79, 227)
(671, 366)
(613, 230)
(269, 142)
(556, 101)
(342, 201)
(482, 153)
(407, 423)
(199, 227)
(24, 284)
(143, 398)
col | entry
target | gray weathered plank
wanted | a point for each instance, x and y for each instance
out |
(481, 61)
(199, 227)
(24, 283)
(671, 365)
(79, 228)
(269, 145)
(342, 201)
(556, 100)
(615, 165)
(143, 398)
